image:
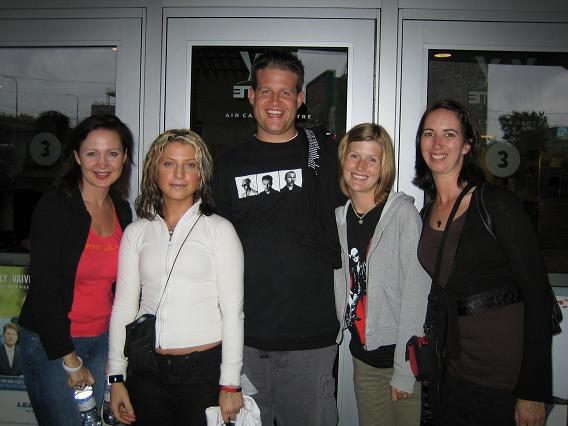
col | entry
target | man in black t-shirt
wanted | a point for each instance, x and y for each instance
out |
(291, 247)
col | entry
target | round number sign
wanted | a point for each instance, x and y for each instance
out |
(502, 159)
(45, 148)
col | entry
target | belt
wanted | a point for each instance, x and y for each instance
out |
(488, 300)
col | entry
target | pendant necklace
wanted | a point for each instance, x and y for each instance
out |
(438, 222)
(359, 216)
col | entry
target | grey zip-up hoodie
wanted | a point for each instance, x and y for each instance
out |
(397, 285)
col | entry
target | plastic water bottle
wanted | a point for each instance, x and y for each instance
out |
(108, 416)
(85, 400)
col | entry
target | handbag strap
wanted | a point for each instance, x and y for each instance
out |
(173, 264)
(441, 321)
(453, 212)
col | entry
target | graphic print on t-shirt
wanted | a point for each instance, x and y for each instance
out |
(246, 186)
(269, 183)
(358, 291)
(290, 180)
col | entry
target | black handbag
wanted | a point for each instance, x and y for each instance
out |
(140, 341)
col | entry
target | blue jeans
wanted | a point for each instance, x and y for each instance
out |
(294, 387)
(46, 381)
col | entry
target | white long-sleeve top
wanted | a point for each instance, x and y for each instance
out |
(203, 300)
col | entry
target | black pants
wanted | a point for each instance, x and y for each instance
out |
(468, 404)
(179, 394)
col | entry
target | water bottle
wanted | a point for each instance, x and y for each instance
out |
(85, 400)
(108, 416)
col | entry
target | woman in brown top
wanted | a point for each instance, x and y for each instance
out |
(489, 309)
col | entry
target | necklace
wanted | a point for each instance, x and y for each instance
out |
(438, 222)
(359, 216)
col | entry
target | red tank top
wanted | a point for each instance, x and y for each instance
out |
(96, 272)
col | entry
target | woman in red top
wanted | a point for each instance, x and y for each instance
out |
(75, 235)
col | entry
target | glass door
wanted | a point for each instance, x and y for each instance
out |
(208, 68)
(53, 74)
(513, 78)
(208, 64)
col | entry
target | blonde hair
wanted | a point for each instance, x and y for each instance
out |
(150, 201)
(374, 133)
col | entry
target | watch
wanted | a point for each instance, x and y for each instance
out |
(116, 378)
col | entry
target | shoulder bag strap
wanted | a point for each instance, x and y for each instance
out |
(173, 264)
(447, 231)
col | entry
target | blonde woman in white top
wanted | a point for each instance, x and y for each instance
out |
(199, 320)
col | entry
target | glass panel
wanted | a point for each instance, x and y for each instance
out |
(518, 100)
(220, 80)
(44, 92)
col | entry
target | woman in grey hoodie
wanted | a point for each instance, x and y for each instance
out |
(381, 291)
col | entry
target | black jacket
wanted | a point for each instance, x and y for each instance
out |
(483, 264)
(59, 231)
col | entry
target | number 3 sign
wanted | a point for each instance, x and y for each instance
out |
(45, 148)
(502, 159)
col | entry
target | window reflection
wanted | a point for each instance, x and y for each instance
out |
(220, 110)
(44, 92)
(518, 100)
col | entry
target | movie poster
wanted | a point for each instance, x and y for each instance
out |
(15, 407)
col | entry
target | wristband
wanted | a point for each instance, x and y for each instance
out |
(231, 389)
(72, 369)
(116, 378)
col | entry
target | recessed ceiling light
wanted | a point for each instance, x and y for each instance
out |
(442, 55)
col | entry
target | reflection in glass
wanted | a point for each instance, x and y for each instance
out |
(518, 100)
(220, 78)
(44, 92)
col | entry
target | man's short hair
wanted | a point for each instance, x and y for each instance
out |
(289, 174)
(280, 59)
(10, 325)
(268, 178)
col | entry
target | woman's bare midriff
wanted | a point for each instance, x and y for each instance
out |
(187, 351)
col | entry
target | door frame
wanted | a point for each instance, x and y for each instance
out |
(333, 28)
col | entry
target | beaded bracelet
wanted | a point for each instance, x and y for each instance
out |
(231, 389)
(72, 369)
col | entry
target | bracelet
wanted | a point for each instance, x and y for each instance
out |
(116, 378)
(231, 389)
(72, 369)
